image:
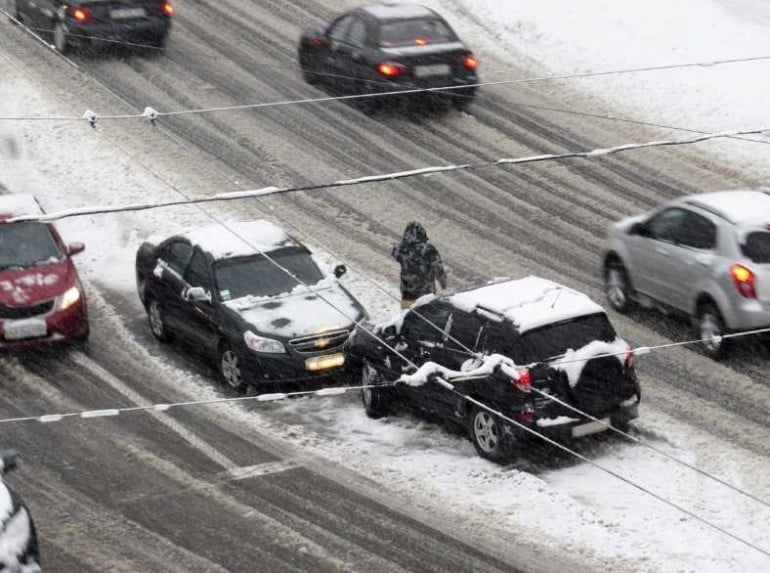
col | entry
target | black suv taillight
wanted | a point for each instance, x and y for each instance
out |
(524, 382)
(79, 14)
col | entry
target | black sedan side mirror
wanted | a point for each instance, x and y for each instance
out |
(340, 270)
(196, 294)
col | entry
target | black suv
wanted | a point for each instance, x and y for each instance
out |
(18, 538)
(211, 287)
(529, 321)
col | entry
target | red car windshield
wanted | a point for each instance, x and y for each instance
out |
(27, 245)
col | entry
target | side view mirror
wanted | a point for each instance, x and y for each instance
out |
(639, 229)
(9, 459)
(75, 248)
(196, 294)
(340, 270)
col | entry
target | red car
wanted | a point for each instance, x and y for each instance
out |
(41, 296)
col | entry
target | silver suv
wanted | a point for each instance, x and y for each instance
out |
(705, 255)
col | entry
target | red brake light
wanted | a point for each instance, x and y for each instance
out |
(524, 383)
(629, 357)
(81, 15)
(391, 69)
(168, 9)
(319, 42)
(744, 280)
(420, 41)
(470, 62)
(527, 416)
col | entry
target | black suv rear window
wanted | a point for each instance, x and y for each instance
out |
(757, 247)
(26, 245)
(411, 32)
(555, 339)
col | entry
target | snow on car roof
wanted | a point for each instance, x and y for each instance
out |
(399, 11)
(529, 303)
(19, 206)
(239, 239)
(737, 206)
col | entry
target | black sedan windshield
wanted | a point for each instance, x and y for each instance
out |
(411, 32)
(555, 339)
(257, 276)
(27, 244)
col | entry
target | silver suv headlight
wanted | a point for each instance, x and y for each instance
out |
(262, 344)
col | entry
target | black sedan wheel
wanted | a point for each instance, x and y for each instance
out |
(486, 434)
(230, 369)
(157, 320)
(374, 399)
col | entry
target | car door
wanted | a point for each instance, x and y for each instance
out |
(424, 335)
(651, 250)
(691, 258)
(167, 283)
(338, 55)
(197, 317)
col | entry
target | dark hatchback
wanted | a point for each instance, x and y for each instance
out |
(96, 22)
(389, 47)
(527, 320)
(213, 289)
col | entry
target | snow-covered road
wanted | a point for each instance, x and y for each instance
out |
(568, 510)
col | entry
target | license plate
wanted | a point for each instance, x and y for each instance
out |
(19, 329)
(325, 362)
(434, 70)
(125, 13)
(590, 428)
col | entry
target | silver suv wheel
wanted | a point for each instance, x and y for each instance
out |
(616, 287)
(711, 330)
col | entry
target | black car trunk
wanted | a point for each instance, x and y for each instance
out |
(602, 385)
(121, 11)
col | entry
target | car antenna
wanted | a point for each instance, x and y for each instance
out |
(560, 289)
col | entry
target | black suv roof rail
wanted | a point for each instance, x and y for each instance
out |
(709, 209)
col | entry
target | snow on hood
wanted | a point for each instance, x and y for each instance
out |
(19, 287)
(573, 361)
(487, 366)
(15, 535)
(301, 312)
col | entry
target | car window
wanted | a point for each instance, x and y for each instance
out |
(411, 32)
(429, 325)
(27, 244)
(197, 273)
(555, 339)
(757, 247)
(339, 30)
(465, 331)
(356, 35)
(665, 226)
(697, 231)
(257, 276)
(176, 255)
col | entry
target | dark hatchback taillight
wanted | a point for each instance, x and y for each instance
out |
(391, 69)
(470, 62)
(80, 14)
(168, 9)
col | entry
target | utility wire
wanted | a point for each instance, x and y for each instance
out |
(383, 177)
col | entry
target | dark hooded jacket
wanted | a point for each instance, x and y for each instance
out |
(420, 263)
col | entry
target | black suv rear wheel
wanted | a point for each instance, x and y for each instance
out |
(486, 432)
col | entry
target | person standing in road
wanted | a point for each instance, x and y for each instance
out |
(421, 265)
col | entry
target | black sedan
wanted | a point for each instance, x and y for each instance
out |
(390, 47)
(268, 315)
(476, 338)
(91, 22)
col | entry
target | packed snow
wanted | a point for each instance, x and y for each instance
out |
(570, 508)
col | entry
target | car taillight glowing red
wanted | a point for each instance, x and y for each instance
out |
(629, 357)
(81, 15)
(744, 280)
(470, 62)
(168, 9)
(527, 416)
(524, 382)
(391, 69)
